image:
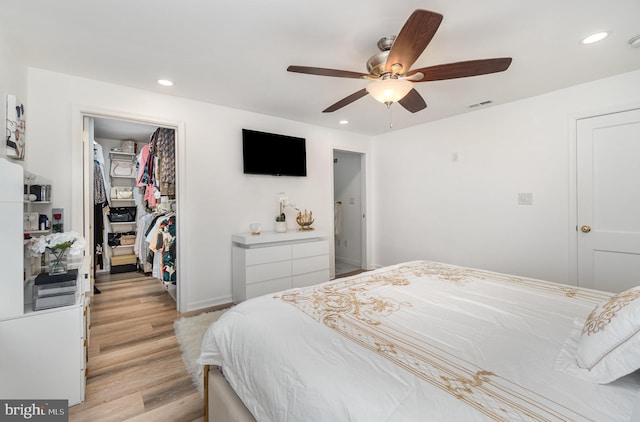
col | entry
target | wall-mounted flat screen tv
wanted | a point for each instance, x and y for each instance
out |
(272, 154)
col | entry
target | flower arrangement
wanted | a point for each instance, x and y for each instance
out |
(66, 241)
(58, 245)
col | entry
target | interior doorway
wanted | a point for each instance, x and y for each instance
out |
(608, 201)
(349, 212)
(118, 212)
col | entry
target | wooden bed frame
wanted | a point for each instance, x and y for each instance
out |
(221, 404)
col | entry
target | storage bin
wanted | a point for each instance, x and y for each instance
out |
(122, 214)
(123, 259)
(128, 145)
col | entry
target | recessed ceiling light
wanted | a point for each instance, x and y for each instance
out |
(595, 38)
(165, 82)
(344, 122)
(635, 41)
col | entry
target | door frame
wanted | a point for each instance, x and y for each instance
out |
(81, 189)
(365, 208)
(573, 179)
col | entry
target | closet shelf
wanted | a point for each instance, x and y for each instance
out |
(37, 231)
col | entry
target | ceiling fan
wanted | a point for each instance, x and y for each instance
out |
(390, 70)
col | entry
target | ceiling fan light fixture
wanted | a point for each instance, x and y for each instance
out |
(389, 91)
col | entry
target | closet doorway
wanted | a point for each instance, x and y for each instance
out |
(130, 198)
(349, 212)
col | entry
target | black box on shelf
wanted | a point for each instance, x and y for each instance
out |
(127, 268)
(45, 278)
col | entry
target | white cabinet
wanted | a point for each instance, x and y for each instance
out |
(43, 353)
(272, 262)
(11, 245)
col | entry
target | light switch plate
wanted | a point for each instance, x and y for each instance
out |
(525, 198)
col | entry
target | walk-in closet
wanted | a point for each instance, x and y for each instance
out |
(134, 199)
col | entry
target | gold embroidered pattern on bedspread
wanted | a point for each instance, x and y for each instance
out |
(602, 316)
(351, 308)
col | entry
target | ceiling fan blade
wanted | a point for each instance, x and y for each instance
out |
(326, 72)
(413, 101)
(346, 101)
(462, 69)
(413, 38)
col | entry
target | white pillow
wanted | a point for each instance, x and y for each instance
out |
(609, 346)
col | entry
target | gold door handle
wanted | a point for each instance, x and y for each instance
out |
(585, 229)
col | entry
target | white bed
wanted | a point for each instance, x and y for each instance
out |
(420, 341)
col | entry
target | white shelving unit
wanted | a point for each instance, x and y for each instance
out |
(122, 227)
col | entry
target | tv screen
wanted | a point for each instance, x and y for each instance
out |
(272, 154)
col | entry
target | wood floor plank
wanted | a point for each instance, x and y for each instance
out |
(183, 410)
(120, 409)
(135, 371)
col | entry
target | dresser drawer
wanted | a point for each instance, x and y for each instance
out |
(263, 255)
(309, 279)
(269, 271)
(302, 250)
(269, 286)
(311, 264)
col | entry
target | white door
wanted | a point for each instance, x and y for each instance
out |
(608, 195)
(87, 148)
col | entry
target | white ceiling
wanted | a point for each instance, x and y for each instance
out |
(122, 129)
(235, 54)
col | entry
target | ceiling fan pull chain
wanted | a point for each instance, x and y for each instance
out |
(390, 116)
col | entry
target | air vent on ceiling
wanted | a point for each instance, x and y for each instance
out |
(482, 103)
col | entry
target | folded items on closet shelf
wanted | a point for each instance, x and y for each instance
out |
(121, 239)
(121, 192)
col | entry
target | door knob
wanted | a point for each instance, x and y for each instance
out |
(585, 229)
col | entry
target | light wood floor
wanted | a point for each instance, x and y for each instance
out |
(135, 368)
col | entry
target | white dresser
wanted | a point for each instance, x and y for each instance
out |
(272, 262)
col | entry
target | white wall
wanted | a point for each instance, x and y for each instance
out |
(13, 80)
(215, 199)
(424, 205)
(466, 212)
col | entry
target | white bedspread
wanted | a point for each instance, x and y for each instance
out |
(418, 341)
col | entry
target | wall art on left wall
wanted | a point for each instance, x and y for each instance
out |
(15, 128)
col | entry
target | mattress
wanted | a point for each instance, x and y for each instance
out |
(419, 341)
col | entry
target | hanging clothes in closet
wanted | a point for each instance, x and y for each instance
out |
(101, 186)
(156, 243)
(156, 167)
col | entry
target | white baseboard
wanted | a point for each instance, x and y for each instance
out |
(203, 304)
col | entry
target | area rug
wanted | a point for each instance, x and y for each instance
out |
(189, 331)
